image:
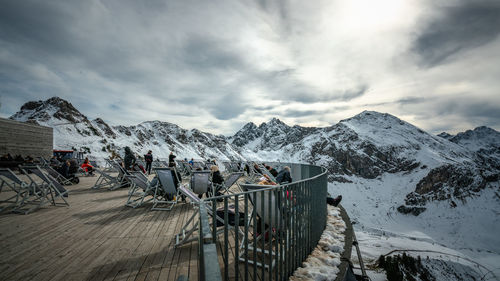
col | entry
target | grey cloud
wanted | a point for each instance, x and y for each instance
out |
(410, 100)
(206, 53)
(468, 25)
(353, 93)
(264, 108)
(471, 109)
(227, 106)
(307, 96)
(42, 26)
(402, 101)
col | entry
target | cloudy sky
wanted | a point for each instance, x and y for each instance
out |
(216, 65)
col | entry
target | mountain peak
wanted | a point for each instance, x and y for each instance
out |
(52, 108)
(368, 114)
(479, 138)
(273, 123)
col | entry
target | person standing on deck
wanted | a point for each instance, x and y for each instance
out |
(149, 161)
(129, 159)
(171, 158)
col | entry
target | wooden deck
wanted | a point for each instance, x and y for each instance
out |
(96, 238)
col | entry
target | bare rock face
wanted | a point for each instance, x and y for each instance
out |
(105, 128)
(445, 183)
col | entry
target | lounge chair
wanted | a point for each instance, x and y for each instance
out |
(228, 182)
(49, 186)
(55, 174)
(192, 224)
(165, 194)
(200, 182)
(10, 183)
(140, 189)
(266, 172)
(109, 181)
(266, 207)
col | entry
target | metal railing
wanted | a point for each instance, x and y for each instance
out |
(263, 232)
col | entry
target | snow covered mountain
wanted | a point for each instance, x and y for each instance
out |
(405, 188)
(72, 129)
(400, 184)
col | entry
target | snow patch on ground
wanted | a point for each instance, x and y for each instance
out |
(323, 262)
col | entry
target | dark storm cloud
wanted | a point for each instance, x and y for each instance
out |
(468, 25)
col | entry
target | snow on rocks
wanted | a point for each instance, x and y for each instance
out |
(323, 262)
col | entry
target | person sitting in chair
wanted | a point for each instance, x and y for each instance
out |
(87, 167)
(284, 175)
(265, 180)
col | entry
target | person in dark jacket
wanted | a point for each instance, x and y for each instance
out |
(54, 163)
(129, 159)
(171, 158)
(64, 168)
(149, 161)
(284, 175)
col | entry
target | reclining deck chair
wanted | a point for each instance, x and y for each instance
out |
(165, 191)
(262, 210)
(265, 171)
(29, 196)
(136, 197)
(200, 182)
(49, 186)
(192, 225)
(17, 188)
(109, 181)
(228, 182)
(56, 175)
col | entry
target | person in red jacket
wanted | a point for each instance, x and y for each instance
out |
(87, 167)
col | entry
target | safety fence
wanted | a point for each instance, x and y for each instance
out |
(264, 232)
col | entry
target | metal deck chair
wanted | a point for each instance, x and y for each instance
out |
(265, 171)
(17, 187)
(140, 188)
(165, 191)
(228, 182)
(55, 174)
(234, 167)
(32, 196)
(50, 184)
(109, 181)
(192, 224)
(266, 208)
(200, 182)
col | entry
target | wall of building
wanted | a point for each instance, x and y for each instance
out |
(25, 139)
